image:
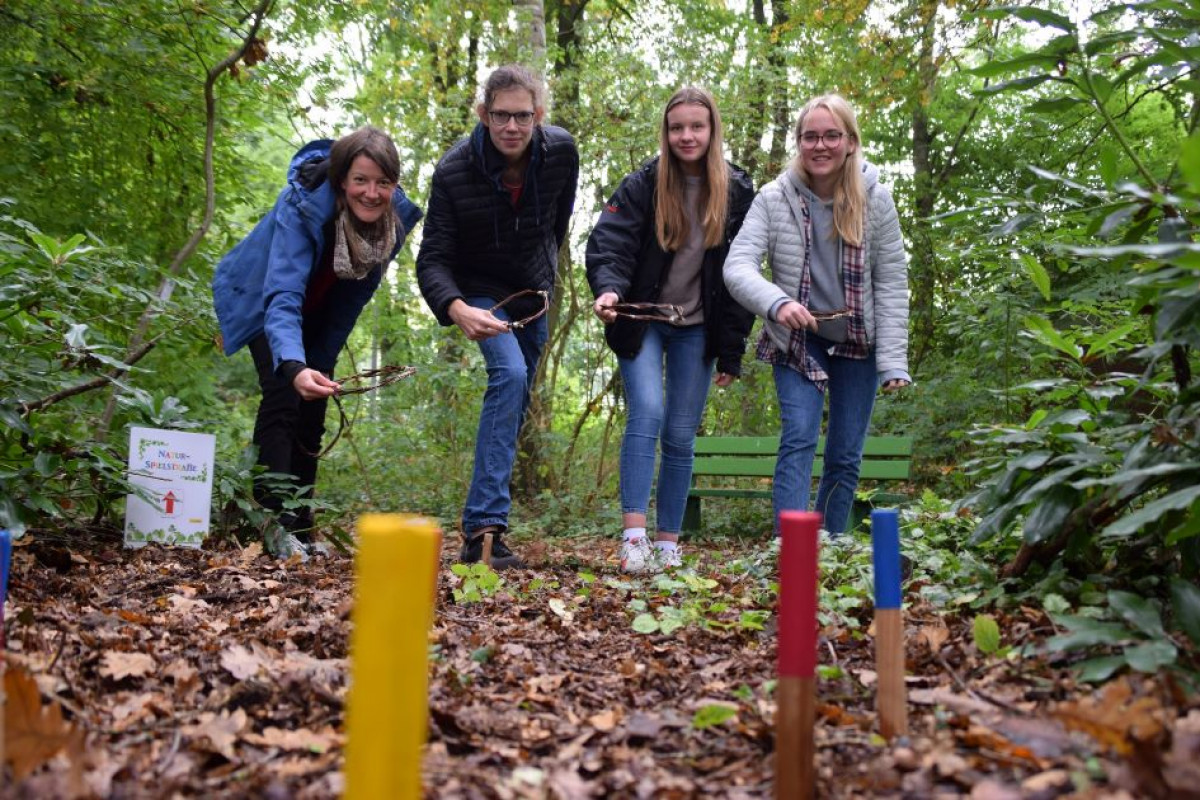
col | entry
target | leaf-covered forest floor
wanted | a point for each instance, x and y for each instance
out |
(224, 673)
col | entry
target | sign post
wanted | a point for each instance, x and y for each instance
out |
(174, 472)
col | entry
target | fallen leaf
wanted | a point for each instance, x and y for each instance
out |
(544, 684)
(1115, 718)
(179, 671)
(250, 554)
(935, 636)
(301, 739)
(643, 726)
(119, 665)
(220, 731)
(34, 733)
(240, 662)
(604, 722)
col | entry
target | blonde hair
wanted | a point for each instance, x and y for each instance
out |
(849, 193)
(670, 219)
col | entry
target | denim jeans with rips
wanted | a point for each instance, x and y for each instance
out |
(512, 361)
(851, 389)
(671, 414)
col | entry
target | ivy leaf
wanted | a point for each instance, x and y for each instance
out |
(987, 634)
(1098, 670)
(712, 715)
(645, 623)
(1150, 657)
(1138, 612)
(1085, 632)
(1055, 604)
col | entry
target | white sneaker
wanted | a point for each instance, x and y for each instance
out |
(669, 559)
(638, 556)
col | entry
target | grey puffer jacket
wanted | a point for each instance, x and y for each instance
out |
(774, 228)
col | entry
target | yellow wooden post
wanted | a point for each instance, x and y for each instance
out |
(387, 708)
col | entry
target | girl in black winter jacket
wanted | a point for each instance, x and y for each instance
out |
(662, 239)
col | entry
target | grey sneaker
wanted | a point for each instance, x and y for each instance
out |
(318, 548)
(283, 545)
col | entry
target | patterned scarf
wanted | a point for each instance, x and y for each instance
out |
(796, 357)
(359, 248)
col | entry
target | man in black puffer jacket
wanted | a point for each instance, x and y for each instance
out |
(498, 213)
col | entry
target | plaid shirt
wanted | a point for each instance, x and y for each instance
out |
(796, 356)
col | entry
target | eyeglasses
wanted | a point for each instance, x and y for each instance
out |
(653, 312)
(831, 139)
(517, 324)
(500, 118)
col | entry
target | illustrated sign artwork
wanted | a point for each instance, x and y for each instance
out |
(173, 471)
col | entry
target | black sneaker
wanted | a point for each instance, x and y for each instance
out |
(502, 556)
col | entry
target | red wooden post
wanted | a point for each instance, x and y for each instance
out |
(795, 716)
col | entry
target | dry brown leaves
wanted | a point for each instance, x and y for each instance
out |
(224, 674)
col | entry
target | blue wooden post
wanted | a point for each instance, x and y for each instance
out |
(890, 701)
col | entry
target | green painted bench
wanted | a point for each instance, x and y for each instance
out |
(725, 459)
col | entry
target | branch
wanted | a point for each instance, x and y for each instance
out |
(168, 283)
(87, 386)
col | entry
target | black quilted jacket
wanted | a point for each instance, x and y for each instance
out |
(475, 242)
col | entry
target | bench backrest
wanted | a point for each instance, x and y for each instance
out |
(884, 457)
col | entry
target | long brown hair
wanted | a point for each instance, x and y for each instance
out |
(670, 218)
(849, 193)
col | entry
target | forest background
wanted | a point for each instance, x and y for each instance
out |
(1045, 160)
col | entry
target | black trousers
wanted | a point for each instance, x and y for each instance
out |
(287, 430)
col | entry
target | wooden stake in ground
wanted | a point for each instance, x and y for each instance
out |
(891, 701)
(795, 693)
(487, 548)
(5, 563)
(387, 709)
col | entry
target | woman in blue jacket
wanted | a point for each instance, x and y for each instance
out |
(662, 238)
(293, 289)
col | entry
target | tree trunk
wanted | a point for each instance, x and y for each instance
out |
(531, 450)
(923, 267)
(533, 15)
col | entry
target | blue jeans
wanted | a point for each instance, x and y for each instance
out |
(851, 388)
(512, 360)
(673, 415)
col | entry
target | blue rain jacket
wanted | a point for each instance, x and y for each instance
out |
(260, 284)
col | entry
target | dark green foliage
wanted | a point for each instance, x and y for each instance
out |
(1103, 475)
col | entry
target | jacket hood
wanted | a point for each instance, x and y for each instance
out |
(795, 177)
(489, 160)
(305, 156)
